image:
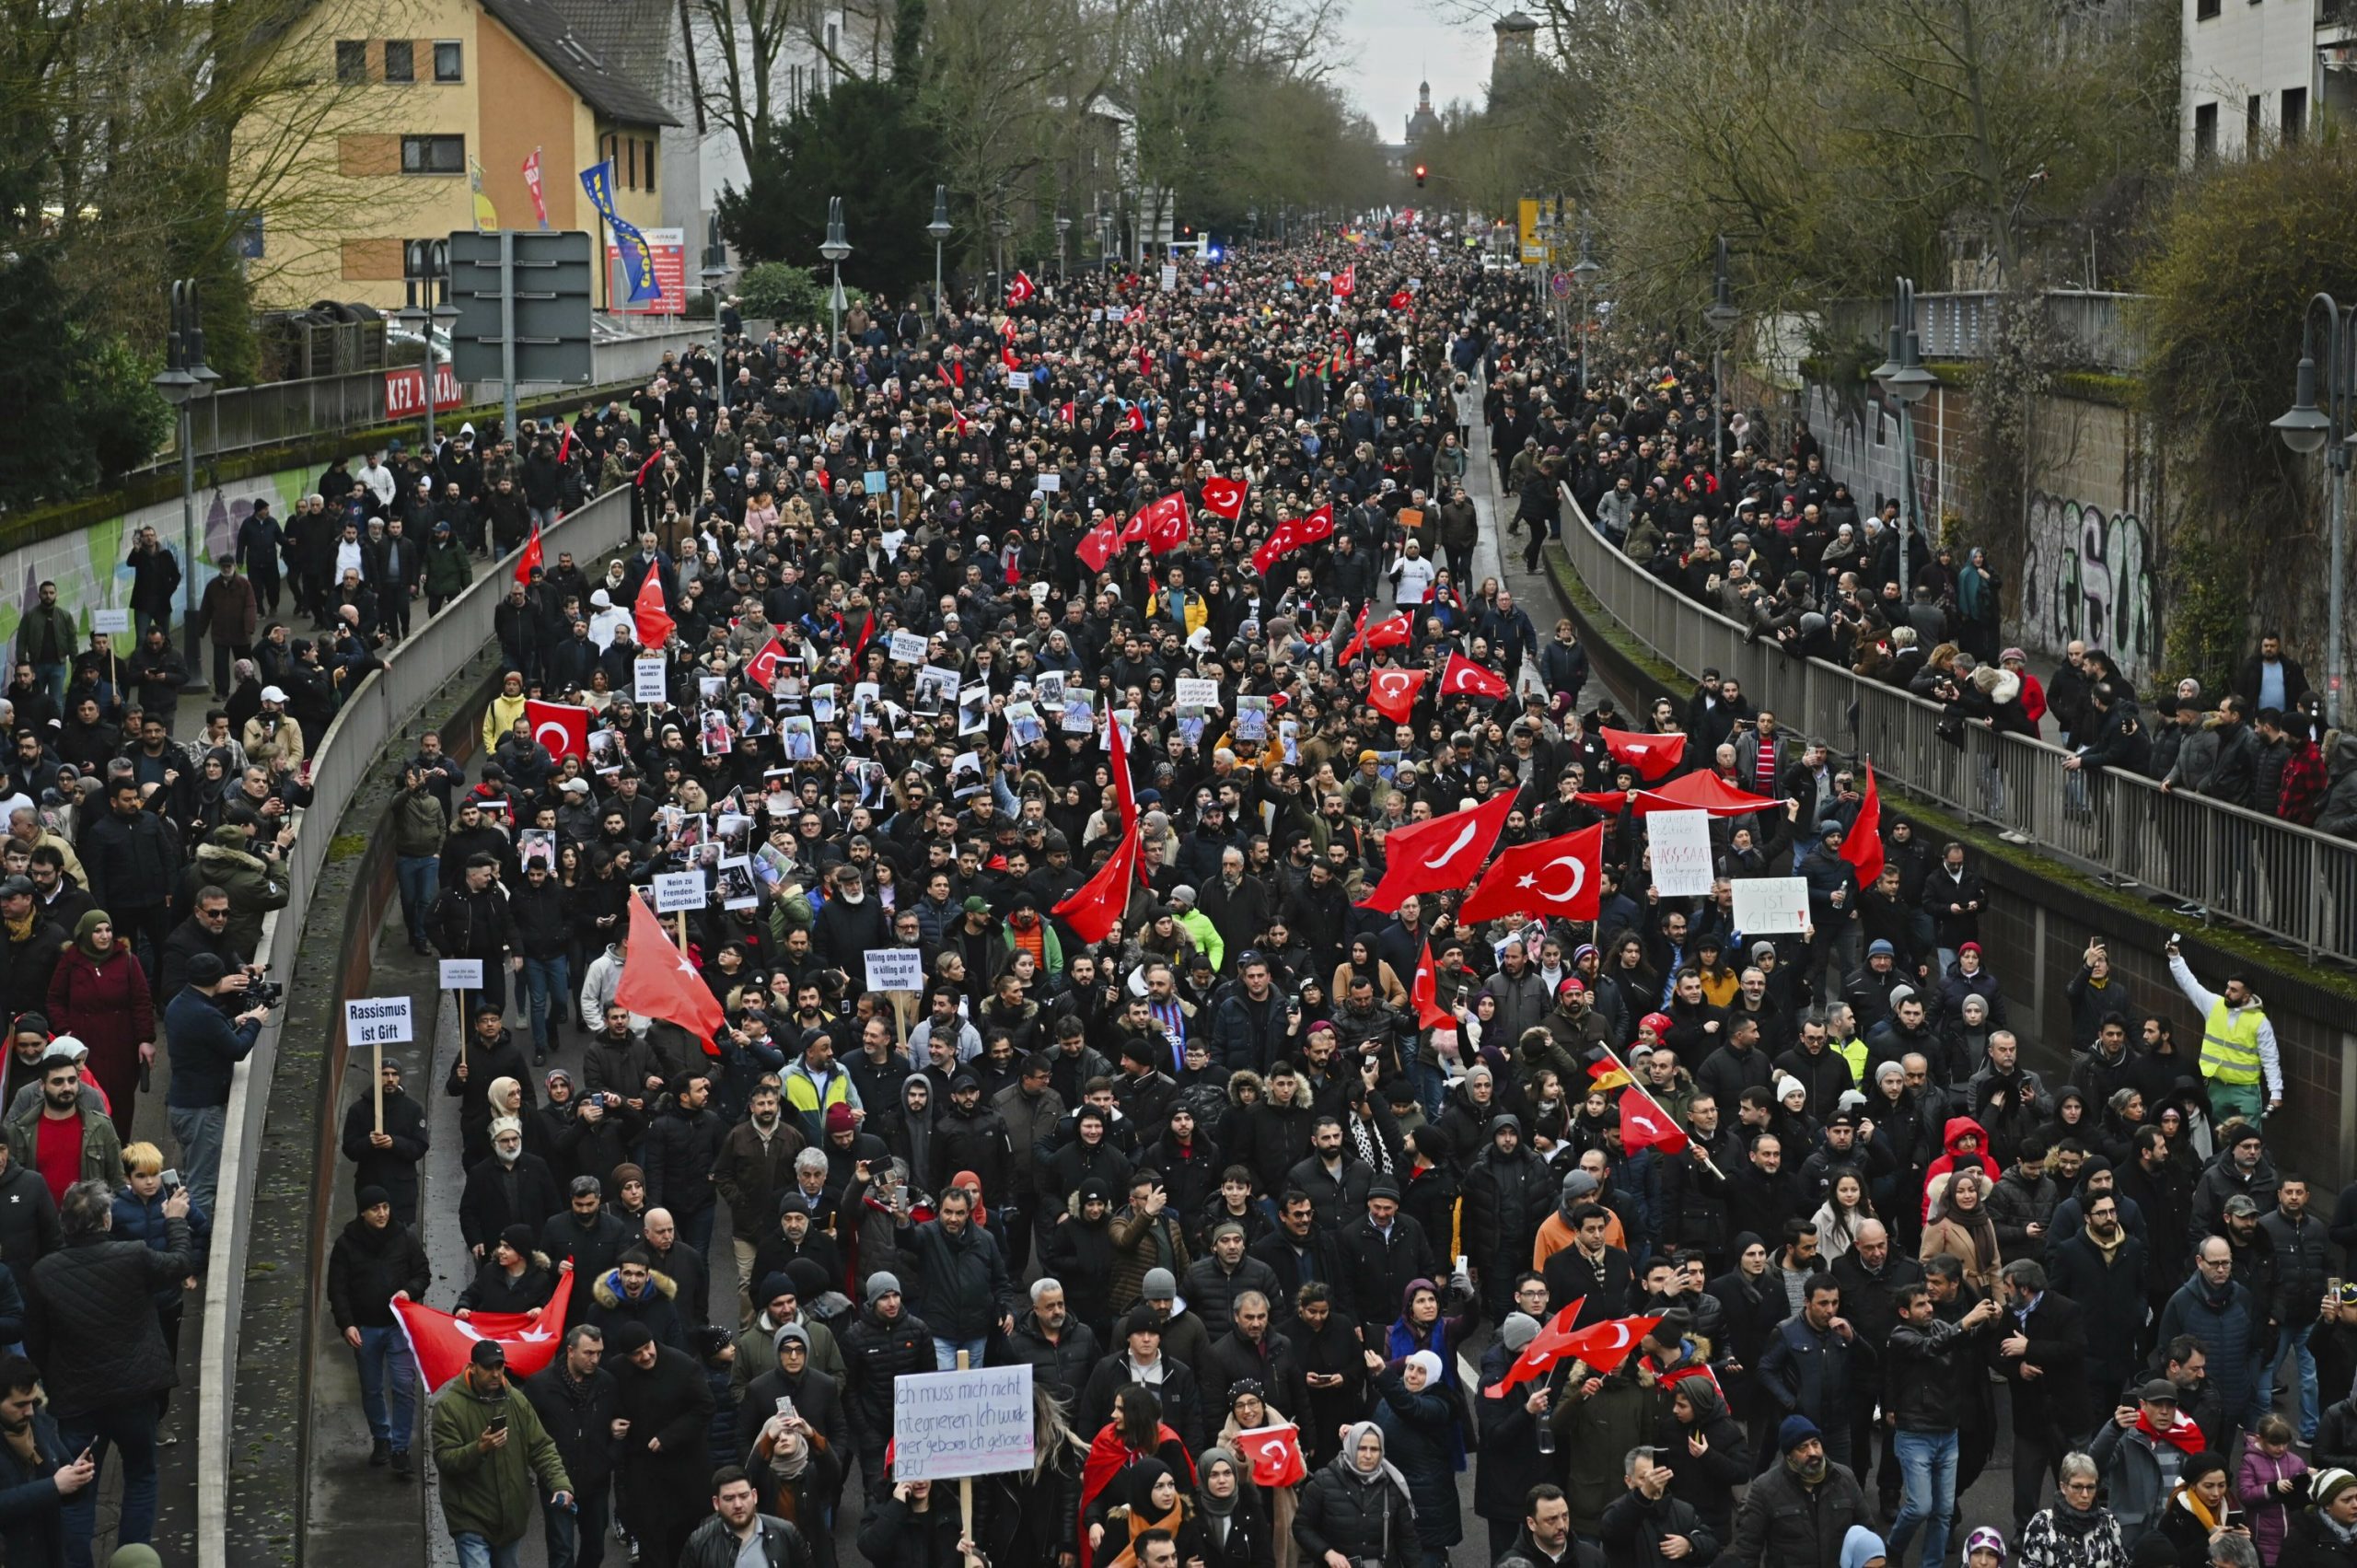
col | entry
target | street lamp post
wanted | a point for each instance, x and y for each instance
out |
(835, 249)
(939, 231)
(714, 269)
(1584, 272)
(443, 316)
(1063, 228)
(2305, 429)
(184, 378)
(1722, 317)
(1904, 378)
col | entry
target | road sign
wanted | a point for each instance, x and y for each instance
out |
(523, 298)
(1560, 285)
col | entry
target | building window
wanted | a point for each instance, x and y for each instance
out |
(351, 60)
(630, 158)
(2205, 132)
(434, 155)
(2296, 113)
(2254, 123)
(449, 61)
(650, 165)
(400, 62)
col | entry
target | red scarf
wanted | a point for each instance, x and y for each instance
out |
(2185, 1435)
(1108, 1456)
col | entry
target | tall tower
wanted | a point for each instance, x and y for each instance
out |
(1518, 44)
(1424, 123)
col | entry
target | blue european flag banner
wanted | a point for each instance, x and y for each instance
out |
(638, 260)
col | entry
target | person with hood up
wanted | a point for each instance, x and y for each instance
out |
(1799, 1512)
(1506, 1199)
(1965, 1142)
(1358, 1506)
(1705, 1450)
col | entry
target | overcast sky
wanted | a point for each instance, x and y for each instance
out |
(1400, 42)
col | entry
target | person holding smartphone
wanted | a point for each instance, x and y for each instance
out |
(492, 1451)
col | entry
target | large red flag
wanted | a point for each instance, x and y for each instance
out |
(1442, 853)
(1125, 789)
(1020, 288)
(1098, 545)
(1393, 692)
(653, 622)
(1346, 281)
(1273, 1453)
(1092, 908)
(1862, 846)
(1541, 1352)
(1424, 993)
(441, 1341)
(1688, 792)
(1463, 678)
(1645, 1125)
(1283, 540)
(531, 558)
(560, 726)
(1602, 1347)
(761, 669)
(1556, 877)
(1167, 525)
(1223, 496)
(1391, 632)
(1652, 756)
(660, 982)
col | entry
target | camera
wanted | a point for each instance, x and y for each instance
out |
(262, 994)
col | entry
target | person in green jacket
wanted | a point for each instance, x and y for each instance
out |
(447, 571)
(255, 885)
(490, 1449)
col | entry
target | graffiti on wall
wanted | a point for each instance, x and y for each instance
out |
(1859, 434)
(2088, 573)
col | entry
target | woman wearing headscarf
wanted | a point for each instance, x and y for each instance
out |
(1705, 1450)
(1136, 1435)
(1960, 1226)
(1419, 1429)
(1155, 1502)
(1236, 1534)
(1356, 1505)
(799, 1476)
(98, 994)
(1248, 1409)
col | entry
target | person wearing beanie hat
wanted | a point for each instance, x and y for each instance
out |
(663, 1461)
(515, 1275)
(781, 1305)
(1800, 1510)
(390, 1161)
(375, 1259)
(882, 1341)
(2326, 1531)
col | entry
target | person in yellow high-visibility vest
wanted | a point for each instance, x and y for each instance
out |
(2238, 1046)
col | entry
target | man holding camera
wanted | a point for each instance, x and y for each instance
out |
(207, 1045)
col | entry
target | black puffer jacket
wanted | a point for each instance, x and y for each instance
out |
(961, 1282)
(683, 1146)
(1063, 1366)
(1365, 1520)
(367, 1266)
(91, 1323)
(874, 1353)
(1508, 1197)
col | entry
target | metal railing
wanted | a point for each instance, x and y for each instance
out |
(1960, 325)
(377, 709)
(2289, 882)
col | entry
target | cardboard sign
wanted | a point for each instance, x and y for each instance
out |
(650, 680)
(1170, 277)
(113, 622)
(1018, 381)
(462, 974)
(1764, 905)
(377, 1020)
(678, 892)
(948, 1424)
(908, 647)
(1681, 845)
(895, 968)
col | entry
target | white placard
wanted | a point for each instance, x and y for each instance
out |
(650, 680)
(462, 974)
(1681, 845)
(1767, 904)
(1195, 691)
(948, 1424)
(895, 968)
(376, 1020)
(1018, 380)
(1170, 277)
(908, 647)
(1052, 483)
(113, 622)
(676, 892)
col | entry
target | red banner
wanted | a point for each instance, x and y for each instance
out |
(405, 391)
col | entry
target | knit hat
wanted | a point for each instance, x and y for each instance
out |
(520, 1237)
(624, 1338)
(626, 1173)
(809, 1277)
(1881, 948)
(1384, 1187)
(1159, 1284)
(1788, 1084)
(1796, 1430)
(838, 1118)
(1578, 1184)
(2330, 1484)
(1517, 1330)
(775, 1283)
(1143, 1319)
(788, 1331)
(370, 1197)
(881, 1284)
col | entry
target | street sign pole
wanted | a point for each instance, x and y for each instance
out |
(507, 334)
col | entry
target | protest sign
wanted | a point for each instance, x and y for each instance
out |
(1681, 844)
(946, 1425)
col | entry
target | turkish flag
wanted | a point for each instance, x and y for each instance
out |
(1862, 846)
(1463, 678)
(1541, 1352)
(1393, 692)
(1006, 356)
(1020, 288)
(1403, 299)
(1391, 632)
(660, 982)
(560, 726)
(1602, 1347)
(1689, 792)
(1223, 496)
(1555, 876)
(1092, 908)
(1283, 540)
(1655, 756)
(1168, 525)
(1098, 545)
(1317, 527)
(1274, 1454)
(761, 669)
(441, 1341)
(1424, 993)
(1134, 419)
(653, 622)
(1645, 1125)
(1443, 853)
(1124, 792)
(1346, 281)
(1153, 514)
(531, 560)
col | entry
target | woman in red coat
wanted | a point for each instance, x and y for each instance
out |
(99, 995)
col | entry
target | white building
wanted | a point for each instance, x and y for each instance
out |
(2260, 72)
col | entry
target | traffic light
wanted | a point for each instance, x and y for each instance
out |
(1419, 176)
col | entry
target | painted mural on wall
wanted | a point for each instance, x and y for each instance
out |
(1858, 430)
(2088, 574)
(90, 565)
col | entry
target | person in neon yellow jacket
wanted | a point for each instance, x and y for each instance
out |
(2238, 1046)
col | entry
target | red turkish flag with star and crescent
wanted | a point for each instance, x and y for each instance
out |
(1645, 1125)
(560, 726)
(1098, 545)
(1167, 525)
(1224, 497)
(650, 620)
(1559, 876)
(1274, 1454)
(1463, 678)
(1424, 993)
(1540, 1353)
(1602, 1347)
(1391, 632)
(1393, 692)
(1654, 756)
(443, 1341)
(1154, 516)
(1092, 908)
(1401, 299)
(1346, 281)
(1442, 853)
(761, 669)
(660, 982)
(1019, 288)
(1862, 846)
(532, 560)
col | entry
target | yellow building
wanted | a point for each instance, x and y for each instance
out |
(472, 84)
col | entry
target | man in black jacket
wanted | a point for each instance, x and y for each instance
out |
(374, 1260)
(133, 858)
(737, 1530)
(388, 1159)
(2040, 1350)
(665, 1451)
(591, 1236)
(1383, 1252)
(1060, 1349)
(883, 1342)
(682, 1147)
(1299, 1251)
(1927, 1362)
(92, 1327)
(578, 1405)
(470, 921)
